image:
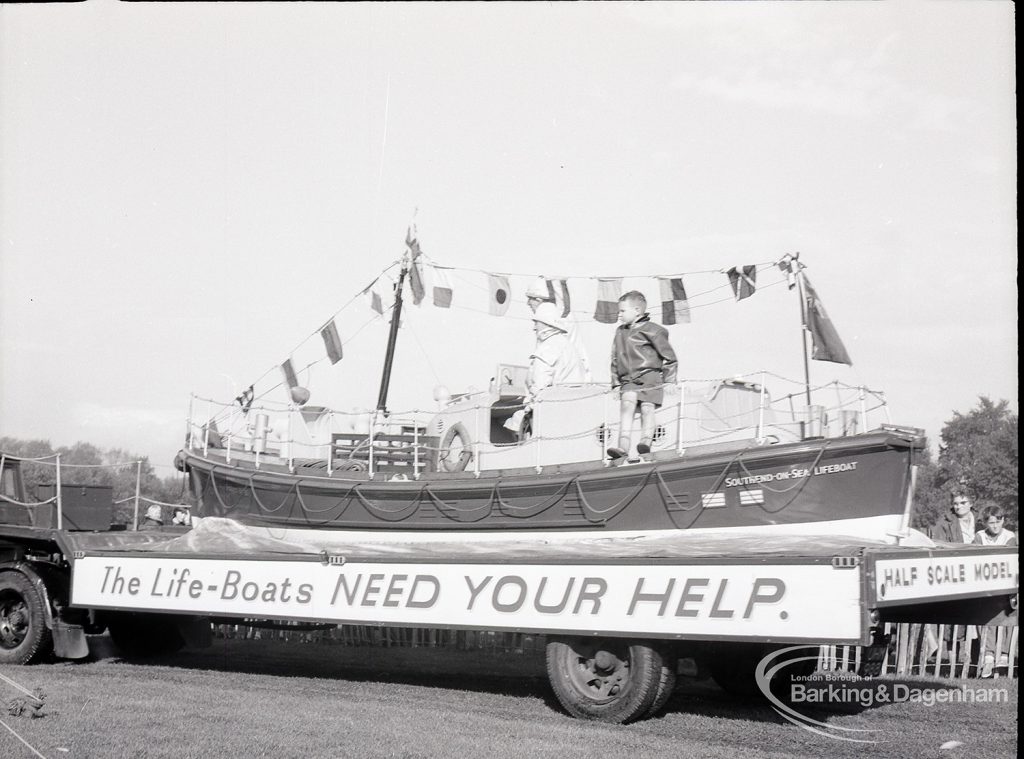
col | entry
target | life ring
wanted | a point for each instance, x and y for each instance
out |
(444, 458)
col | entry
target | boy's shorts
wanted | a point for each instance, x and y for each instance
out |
(648, 387)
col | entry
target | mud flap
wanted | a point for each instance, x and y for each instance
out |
(69, 641)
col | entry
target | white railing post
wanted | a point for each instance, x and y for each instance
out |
(476, 442)
(190, 430)
(679, 417)
(760, 413)
(206, 429)
(231, 431)
(373, 420)
(415, 449)
(138, 489)
(60, 510)
(330, 442)
(604, 440)
(288, 442)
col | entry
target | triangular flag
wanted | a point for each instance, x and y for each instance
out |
(415, 268)
(289, 374)
(608, 292)
(332, 342)
(827, 345)
(499, 294)
(743, 281)
(442, 287)
(674, 308)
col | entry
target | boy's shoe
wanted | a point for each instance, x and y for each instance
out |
(1004, 660)
(615, 453)
(643, 447)
(988, 666)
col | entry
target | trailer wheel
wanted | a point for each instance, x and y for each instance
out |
(24, 636)
(144, 635)
(608, 680)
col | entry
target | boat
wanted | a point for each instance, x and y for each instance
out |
(726, 459)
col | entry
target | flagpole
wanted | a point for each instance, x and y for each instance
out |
(389, 355)
(803, 327)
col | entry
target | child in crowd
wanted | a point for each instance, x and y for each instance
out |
(643, 362)
(993, 534)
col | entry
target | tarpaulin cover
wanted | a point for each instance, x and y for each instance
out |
(225, 536)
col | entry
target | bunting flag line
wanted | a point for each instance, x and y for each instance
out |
(608, 292)
(332, 342)
(289, 374)
(826, 343)
(743, 281)
(441, 287)
(674, 308)
(500, 294)
(415, 268)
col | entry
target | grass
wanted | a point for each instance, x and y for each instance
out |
(261, 698)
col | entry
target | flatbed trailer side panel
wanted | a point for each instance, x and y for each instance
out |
(780, 599)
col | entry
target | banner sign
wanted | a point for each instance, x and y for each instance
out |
(786, 602)
(937, 576)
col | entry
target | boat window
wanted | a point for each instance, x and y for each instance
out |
(7, 483)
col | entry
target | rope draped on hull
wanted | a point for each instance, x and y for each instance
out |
(825, 482)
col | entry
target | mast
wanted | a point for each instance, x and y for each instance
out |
(803, 326)
(389, 355)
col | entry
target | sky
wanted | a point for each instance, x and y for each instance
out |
(188, 192)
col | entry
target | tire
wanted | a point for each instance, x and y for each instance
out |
(24, 636)
(666, 685)
(609, 680)
(144, 635)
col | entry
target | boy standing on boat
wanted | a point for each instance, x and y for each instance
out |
(643, 362)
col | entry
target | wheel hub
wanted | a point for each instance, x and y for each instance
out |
(13, 624)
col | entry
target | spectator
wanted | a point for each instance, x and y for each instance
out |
(958, 525)
(181, 517)
(154, 518)
(993, 534)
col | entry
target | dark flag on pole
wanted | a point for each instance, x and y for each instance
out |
(827, 345)
(415, 268)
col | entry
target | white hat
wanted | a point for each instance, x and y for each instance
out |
(539, 289)
(154, 512)
(547, 313)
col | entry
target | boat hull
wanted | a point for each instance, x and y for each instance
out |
(803, 487)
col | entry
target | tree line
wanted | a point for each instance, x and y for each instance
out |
(113, 467)
(977, 453)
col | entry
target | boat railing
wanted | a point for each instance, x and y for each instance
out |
(401, 442)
